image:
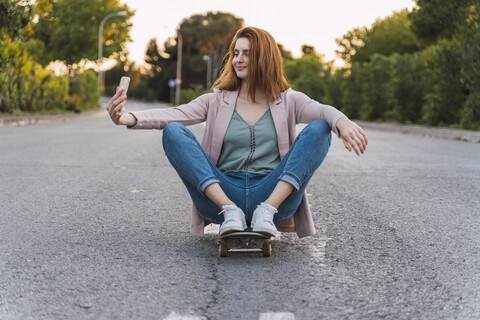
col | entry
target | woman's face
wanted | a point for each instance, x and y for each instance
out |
(240, 58)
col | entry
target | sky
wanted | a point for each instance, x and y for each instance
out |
(291, 23)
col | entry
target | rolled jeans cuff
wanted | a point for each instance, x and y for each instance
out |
(291, 179)
(205, 183)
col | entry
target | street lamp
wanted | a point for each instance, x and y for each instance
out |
(100, 52)
(178, 80)
(209, 70)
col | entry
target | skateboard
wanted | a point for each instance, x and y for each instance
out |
(245, 241)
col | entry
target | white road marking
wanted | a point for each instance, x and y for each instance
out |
(318, 250)
(176, 316)
(212, 228)
(276, 316)
(263, 316)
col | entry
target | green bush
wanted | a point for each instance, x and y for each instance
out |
(471, 112)
(379, 98)
(333, 87)
(429, 87)
(408, 87)
(307, 75)
(85, 93)
(469, 40)
(55, 91)
(49, 91)
(444, 95)
(25, 86)
(12, 60)
(353, 98)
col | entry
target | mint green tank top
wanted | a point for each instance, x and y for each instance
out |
(252, 149)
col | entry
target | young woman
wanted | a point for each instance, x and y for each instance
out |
(250, 164)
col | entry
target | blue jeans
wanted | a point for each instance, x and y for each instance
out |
(246, 190)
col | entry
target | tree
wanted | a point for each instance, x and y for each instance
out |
(15, 17)
(206, 34)
(307, 49)
(24, 85)
(70, 30)
(353, 87)
(350, 43)
(162, 68)
(408, 82)
(203, 34)
(43, 29)
(308, 73)
(444, 94)
(379, 98)
(433, 20)
(286, 54)
(386, 36)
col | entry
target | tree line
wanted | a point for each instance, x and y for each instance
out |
(418, 67)
(415, 66)
(205, 37)
(40, 39)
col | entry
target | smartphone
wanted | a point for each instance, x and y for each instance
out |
(124, 82)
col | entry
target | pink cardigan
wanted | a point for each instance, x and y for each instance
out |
(291, 108)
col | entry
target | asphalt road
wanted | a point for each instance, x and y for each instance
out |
(94, 224)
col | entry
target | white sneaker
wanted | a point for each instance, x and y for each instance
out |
(262, 220)
(234, 220)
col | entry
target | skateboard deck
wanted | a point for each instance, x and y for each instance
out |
(245, 241)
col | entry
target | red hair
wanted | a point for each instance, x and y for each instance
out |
(265, 65)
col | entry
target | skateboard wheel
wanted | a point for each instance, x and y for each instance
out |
(223, 250)
(267, 249)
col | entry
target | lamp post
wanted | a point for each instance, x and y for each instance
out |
(209, 70)
(178, 80)
(100, 49)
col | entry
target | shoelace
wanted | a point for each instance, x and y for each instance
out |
(226, 208)
(268, 207)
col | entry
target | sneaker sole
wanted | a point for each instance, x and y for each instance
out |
(230, 230)
(268, 232)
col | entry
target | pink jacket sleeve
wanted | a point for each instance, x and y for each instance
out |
(187, 114)
(308, 110)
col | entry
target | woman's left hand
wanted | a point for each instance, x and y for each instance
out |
(352, 135)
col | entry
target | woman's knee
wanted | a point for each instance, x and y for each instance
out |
(171, 132)
(319, 129)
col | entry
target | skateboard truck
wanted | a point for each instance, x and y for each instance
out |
(245, 241)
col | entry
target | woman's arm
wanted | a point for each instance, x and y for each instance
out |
(308, 110)
(352, 135)
(187, 114)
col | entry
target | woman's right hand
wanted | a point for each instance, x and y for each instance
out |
(116, 110)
